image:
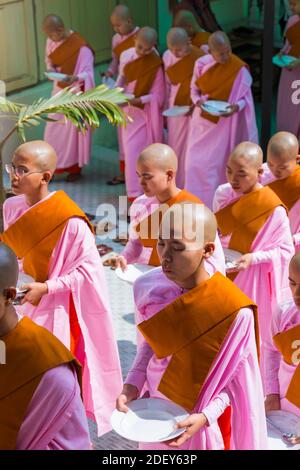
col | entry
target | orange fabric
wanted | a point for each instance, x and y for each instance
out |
(218, 81)
(30, 351)
(143, 70)
(192, 330)
(122, 166)
(293, 36)
(287, 343)
(66, 55)
(288, 189)
(124, 45)
(181, 73)
(73, 170)
(35, 234)
(148, 228)
(200, 39)
(224, 423)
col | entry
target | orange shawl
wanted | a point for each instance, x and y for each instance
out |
(35, 234)
(148, 228)
(288, 189)
(293, 36)
(124, 45)
(200, 39)
(192, 330)
(66, 55)
(217, 82)
(181, 73)
(30, 352)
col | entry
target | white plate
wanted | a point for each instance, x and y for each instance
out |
(280, 422)
(176, 111)
(133, 272)
(149, 420)
(215, 108)
(56, 76)
(109, 82)
(230, 257)
(283, 61)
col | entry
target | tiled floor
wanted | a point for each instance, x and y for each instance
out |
(89, 192)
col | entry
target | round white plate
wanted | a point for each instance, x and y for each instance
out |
(230, 257)
(176, 111)
(149, 420)
(280, 422)
(215, 108)
(56, 75)
(133, 272)
(283, 61)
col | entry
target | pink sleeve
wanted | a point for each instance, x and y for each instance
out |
(121, 78)
(195, 93)
(272, 358)
(85, 68)
(114, 65)
(157, 91)
(132, 250)
(216, 407)
(78, 234)
(55, 418)
(138, 371)
(48, 62)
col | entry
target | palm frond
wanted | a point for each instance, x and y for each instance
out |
(82, 109)
(9, 106)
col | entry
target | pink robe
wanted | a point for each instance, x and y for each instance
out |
(279, 374)
(146, 127)
(55, 418)
(234, 378)
(288, 113)
(135, 252)
(114, 69)
(75, 267)
(266, 280)
(71, 146)
(210, 144)
(178, 127)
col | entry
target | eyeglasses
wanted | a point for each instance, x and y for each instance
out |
(19, 172)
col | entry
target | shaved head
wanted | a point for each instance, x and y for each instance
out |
(294, 278)
(9, 268)
(122, 12)
(41, 154)
(147, 35)
(295, 262)
(185, 18)
(159, 156)
(53, 22)
(218, 40)
(249, 153)
(177, 36)
(284, 145)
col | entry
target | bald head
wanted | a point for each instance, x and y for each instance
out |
(9, 268)
(218, 39)
(249, 153)
(147, 35)
(294, 278)
(295, 262)
(190, 221)
(185, 18)
(177, 37)
(53, 22)
(159, 156)
(121, 12)
(284, 145)
(39, 153)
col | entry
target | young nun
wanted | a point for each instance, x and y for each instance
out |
(40, 402)
(199, 348)
(68, 52)
(55, 244)
(186, 20)
(141, 74)
(255, 223)
(282, 380)
(179, 61)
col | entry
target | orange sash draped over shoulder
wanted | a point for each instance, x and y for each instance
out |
(30, 352)
(288, 343)
(293, 36)
(217, 82)
(124, 45)
(182, 73)
(192, 330)
(35, 234)
(148, 228)
(200, 39)
(66, 55)
(288, 189)
(143, 70)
